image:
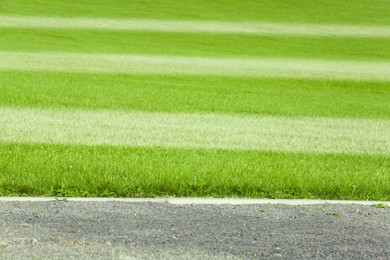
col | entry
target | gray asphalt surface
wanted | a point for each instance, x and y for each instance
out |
(120, 230)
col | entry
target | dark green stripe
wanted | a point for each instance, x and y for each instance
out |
(196, 94)
(187, 44)
(60, 170)
(306, 11)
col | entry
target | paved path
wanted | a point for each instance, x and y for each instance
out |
(144, 230)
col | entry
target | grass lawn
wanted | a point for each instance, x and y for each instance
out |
(194, 44)
(196, 94)
(178, 111)
(304, 11)
(67, 170)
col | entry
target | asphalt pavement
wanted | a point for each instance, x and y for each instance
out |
(145, 230)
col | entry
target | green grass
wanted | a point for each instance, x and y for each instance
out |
(303, 11)
(380, 205)
(196, 94)
(80, 170)
(189, 44)
(183, 130)
(334, 214)
(63, 170)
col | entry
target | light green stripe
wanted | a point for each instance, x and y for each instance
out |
(141, 129)
(171, 65)
(254, 28)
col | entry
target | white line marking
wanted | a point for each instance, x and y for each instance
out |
(171, 65)
(185, 26)
(206, 131)
(194, 201)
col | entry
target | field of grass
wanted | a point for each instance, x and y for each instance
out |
(302, 11)
(195, 98)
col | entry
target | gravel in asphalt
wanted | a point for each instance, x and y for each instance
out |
(122, 230)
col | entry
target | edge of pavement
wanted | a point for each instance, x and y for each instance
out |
(192, 201)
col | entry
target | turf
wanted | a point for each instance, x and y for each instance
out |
(186, 44)
(206, 131)
(200, 108)
(185, 26)
(63, 170)
(306, 11)
(234, 95)
(182, 65)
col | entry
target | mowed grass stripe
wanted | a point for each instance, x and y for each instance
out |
(186, 44)
(208, 131)
(307, 11)
(253, 28)
(69, 170)
(196, 94)
(201, 133)
(170, 65)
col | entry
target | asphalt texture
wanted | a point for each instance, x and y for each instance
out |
(120, 230)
